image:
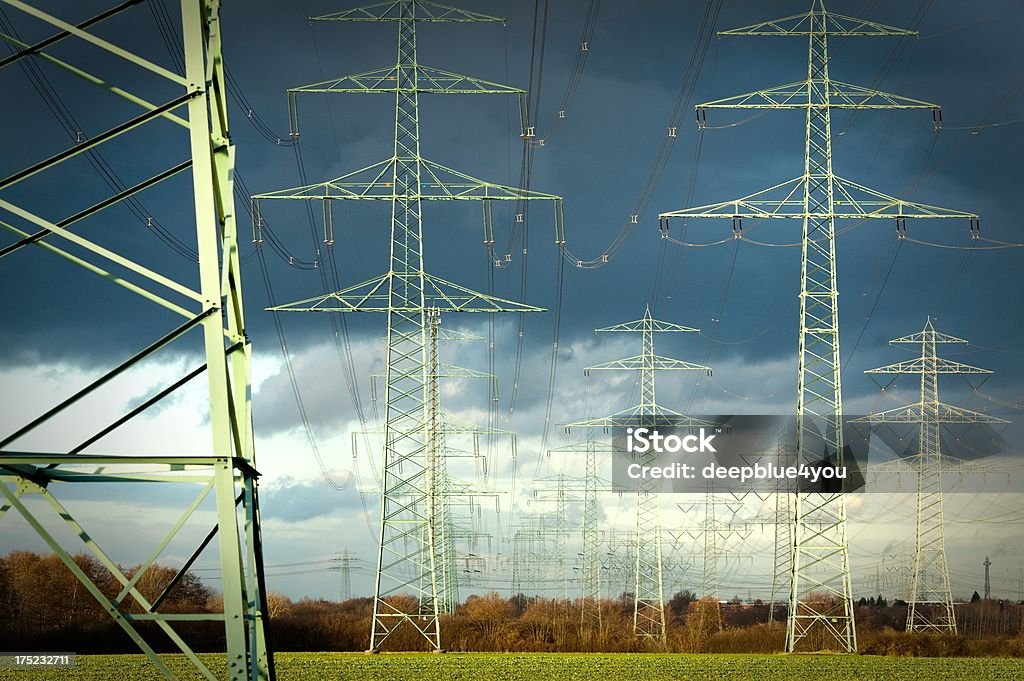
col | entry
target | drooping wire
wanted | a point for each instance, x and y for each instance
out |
(686, 89)
(525, 181)
(300, 405)
(576, 73)
(41, 83)
(553, 368)
(341, 339)
(894, 56)
(716, 321)
(874, 305)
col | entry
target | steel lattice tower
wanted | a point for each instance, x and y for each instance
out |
(621, 568)
(649, 592)
(407, 554)
(345, 567)
(818, 198)
(931, 600)
(590, 606)
(438, 482)
(590, 568)
(782, 563)
(713, 534)
(207, 303)
(559, 489)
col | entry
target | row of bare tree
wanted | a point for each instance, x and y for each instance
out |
(43, 606)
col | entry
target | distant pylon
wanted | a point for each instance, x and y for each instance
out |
(821, 597)
(649, 588)
(438, 485)
(345, 567)
(713, 533)
(590, 568)
(783, 527)
(560, 489)
(931, 600)
(590, 607)
(988, 582)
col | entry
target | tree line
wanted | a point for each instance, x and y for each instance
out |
(43, 606)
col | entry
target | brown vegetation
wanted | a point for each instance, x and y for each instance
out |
(43, 607)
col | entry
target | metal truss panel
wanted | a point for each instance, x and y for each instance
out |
(428, 80)
(214, 309)
(375, 295)
(395, 11)
(437, 183)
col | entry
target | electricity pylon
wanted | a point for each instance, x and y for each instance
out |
(590, 606)
(649, 591)
(407, 556)
(782, 563)
(534, 548)
(442, 489)
(345, 561)
(438, 481)
(714, 533)
(208, 302)
(562, 489)
(619, 563)
(931, 601)
(818, 198)
(590, 569)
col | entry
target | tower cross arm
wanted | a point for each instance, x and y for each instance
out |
(375, 183)
(919, 366)
(929, 336)
(628, 417)
(803, 25)
(797, 96)
(446, 370)
(373, 295)
(914, 413)
(656, 362)
(655, 326)
(430, 12)
(785, 200)
(449, 426)
(389, 80)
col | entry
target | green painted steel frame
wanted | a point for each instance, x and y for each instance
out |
(215, 308)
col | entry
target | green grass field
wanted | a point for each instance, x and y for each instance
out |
(560, 667)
